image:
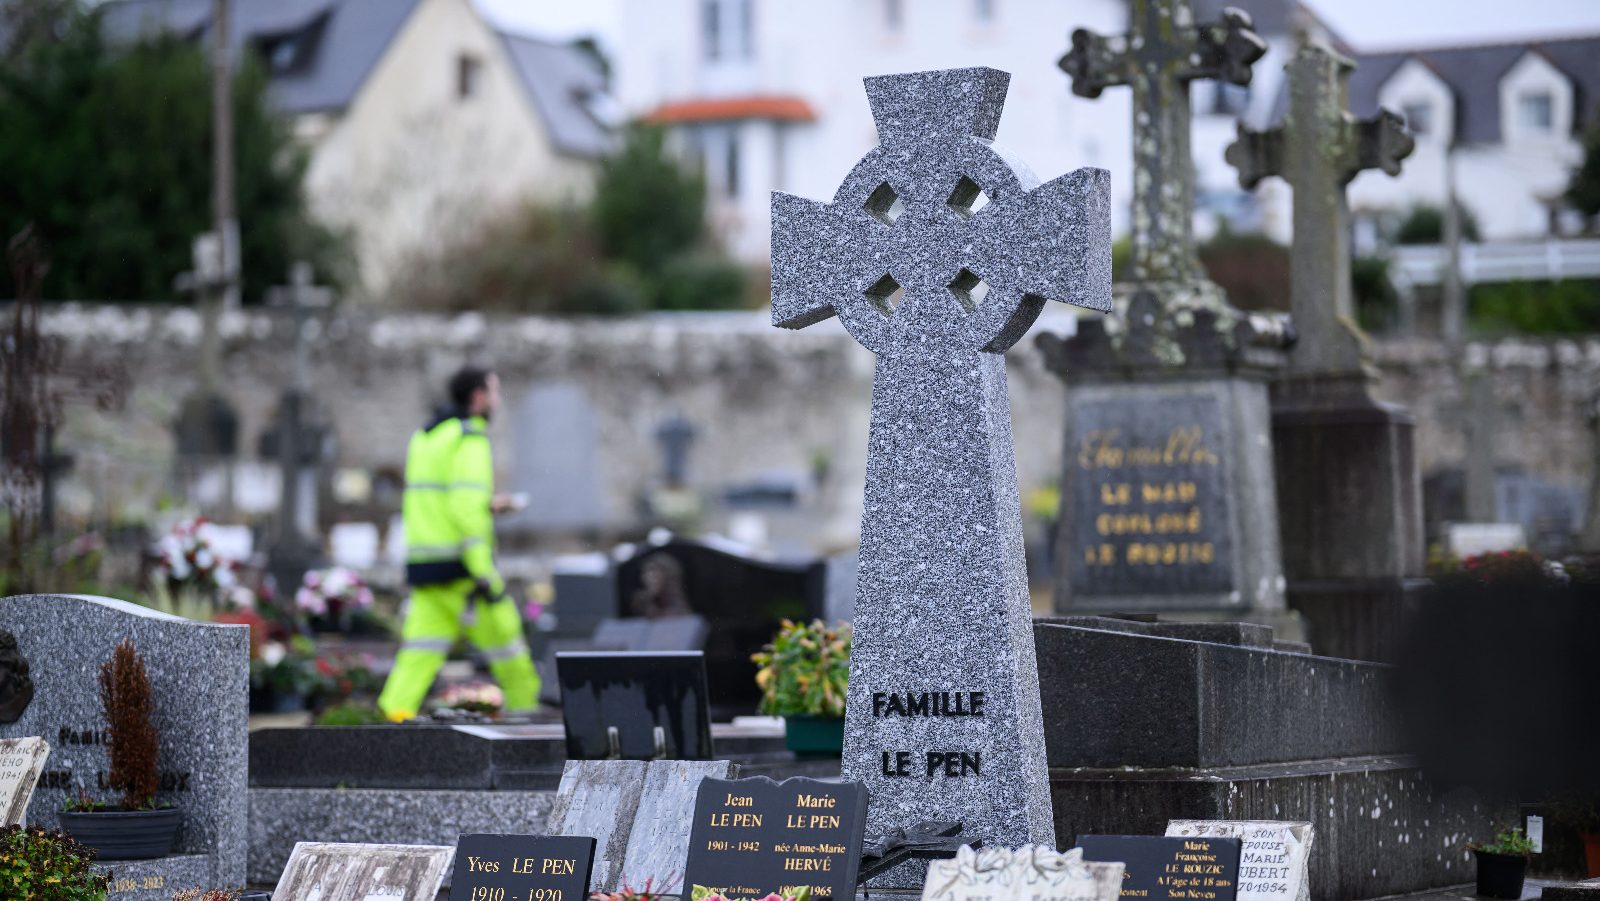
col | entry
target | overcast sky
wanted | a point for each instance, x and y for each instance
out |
(1368, 24)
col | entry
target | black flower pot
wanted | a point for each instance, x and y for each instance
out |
(125, 834)
(1500, 875)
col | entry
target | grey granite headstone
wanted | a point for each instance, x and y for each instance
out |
(599, 799)
(1030, 873)
(1273, 856)
(21, 762)
(324, 871)
(557, 460)
(658, 843)
(938, 283)
(199, 673)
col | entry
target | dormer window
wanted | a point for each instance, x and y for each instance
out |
(1419, 116)
(469, 72)
(1536, 112)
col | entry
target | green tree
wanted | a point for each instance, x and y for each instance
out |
(107, 151)
(1424, 224)
(648, 208)
(1583, 192)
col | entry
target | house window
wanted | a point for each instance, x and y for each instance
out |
(1419, 116)
(731, 163)
(747, 29)
(711, 29)
(469, 72)
(1536, 112)
(893, 13)
(984, 10)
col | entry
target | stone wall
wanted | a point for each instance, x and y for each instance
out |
(764, 399)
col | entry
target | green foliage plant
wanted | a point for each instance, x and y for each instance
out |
(805, 670)
(1512, 842)
(47, 866)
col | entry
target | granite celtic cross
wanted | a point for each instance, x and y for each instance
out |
(1317, 150)
(937, 253)
(1161, 53)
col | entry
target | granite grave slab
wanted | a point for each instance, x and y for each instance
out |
(658, 843)
(1272, 859)
(599, 799)
(756, 837)
(1030, 873)
(21, 762)
(324, 871)
(937, 253)
(199, 673)
(522, 868)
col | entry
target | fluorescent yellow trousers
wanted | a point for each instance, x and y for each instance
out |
(432, 626)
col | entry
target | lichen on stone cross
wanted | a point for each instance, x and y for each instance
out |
(937, 252)
(1317, 150)
(1161, 53)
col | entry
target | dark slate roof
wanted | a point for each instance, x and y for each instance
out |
(1474, 73)
(325, 49)
(568, 91)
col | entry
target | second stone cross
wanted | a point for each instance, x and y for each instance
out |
(937, 253)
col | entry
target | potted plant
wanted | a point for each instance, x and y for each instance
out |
(803, 674)
(1503, 863)
(39, 864)
(135, 827)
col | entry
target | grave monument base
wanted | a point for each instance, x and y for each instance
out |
(158, 879)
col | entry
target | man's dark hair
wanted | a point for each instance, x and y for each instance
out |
(464, 383)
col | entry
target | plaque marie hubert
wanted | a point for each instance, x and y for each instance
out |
(754, 837)
(1149, 498)
(1161, 868)
(522, 868)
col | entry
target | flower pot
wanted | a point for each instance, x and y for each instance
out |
(125, 834)
(1591, 853)
(1500, 875)
(814, 736)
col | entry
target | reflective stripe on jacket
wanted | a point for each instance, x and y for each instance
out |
(449, 481)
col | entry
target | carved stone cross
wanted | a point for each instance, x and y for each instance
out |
(1318, 150)
(1161, 53)
(937, 253)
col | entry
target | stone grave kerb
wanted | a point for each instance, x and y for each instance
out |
(937, 253)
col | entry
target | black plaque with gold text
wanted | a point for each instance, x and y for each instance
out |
(1170, 869)
(754, 837)
(522, 868)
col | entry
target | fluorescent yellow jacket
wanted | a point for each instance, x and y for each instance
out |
(449, 481)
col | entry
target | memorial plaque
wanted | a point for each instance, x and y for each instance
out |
(1272, 859)
(522, 868)
(1031, 873)
(756, 837)
(1170, 869)
(1149, 513)
(321, 871)
(21, 761)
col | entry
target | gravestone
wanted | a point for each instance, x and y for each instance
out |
(1167, 500)
(326, 871)
(1273, 856)
(638, 706)
(199, 674)
(21, 762)
(937, 253)
(756, 837)
(599, 799)
(557, 461)
(1170, 869)
(522, 868)
(658, 843)
(1349, 494)
(1030, 873)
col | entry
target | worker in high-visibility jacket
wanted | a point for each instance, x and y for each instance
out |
(448, 514)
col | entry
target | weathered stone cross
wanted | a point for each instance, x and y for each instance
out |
(1318, 150)
(296, 542)
(1161, 53)
(937, 253)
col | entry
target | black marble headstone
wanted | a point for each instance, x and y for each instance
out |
(522, 868)
(1170, 869)
(754, 837)
(656, 702)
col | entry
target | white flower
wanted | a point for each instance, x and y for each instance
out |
(273, 652)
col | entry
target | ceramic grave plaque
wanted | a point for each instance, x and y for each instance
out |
(1031, 873)
(937, 253)
(522, 868)
(756, 837)
(325, 871)
(1201, 868)
(1272, 860)
(21, 762)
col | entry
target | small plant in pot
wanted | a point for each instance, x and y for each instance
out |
(135, 827)
(1503, 864)
(803, 674)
